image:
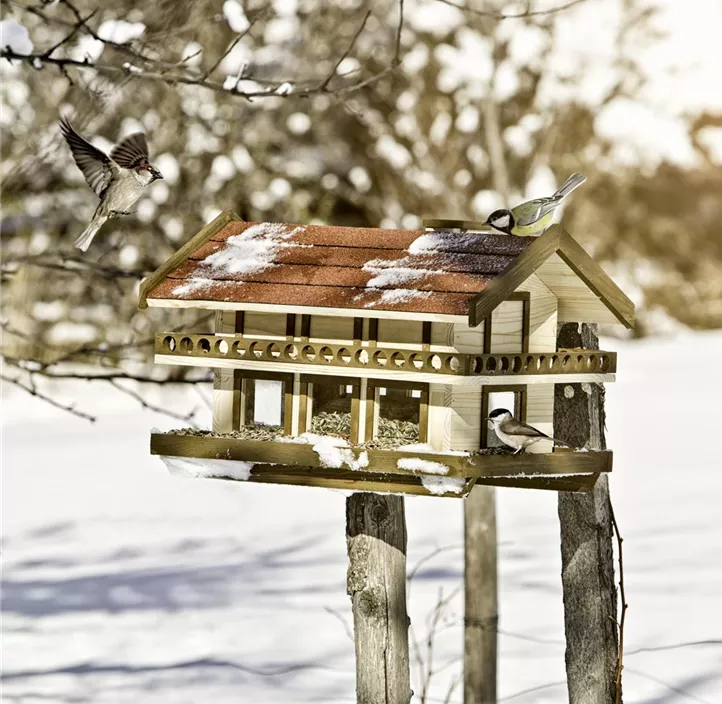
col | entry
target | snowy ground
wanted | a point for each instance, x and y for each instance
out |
(122, 584)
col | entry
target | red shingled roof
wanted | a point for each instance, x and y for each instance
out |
(338, 267)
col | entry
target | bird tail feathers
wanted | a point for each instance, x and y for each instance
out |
(83, 242)
(574, 181)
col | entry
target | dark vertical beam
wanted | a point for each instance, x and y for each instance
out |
(590, 596)
(487, 335)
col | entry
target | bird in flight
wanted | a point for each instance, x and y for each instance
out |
(534, 216)
(118, 180)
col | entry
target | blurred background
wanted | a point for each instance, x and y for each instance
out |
(347, 112)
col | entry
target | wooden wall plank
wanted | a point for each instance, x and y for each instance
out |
(268, 325)
(327, 328)
(404, 334)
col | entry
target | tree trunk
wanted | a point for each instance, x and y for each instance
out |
(376, 583)
(590, 596)
(480, 596)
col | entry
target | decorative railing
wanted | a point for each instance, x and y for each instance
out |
(253, 349)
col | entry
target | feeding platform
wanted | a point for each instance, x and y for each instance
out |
(410, 471)
(369, 359)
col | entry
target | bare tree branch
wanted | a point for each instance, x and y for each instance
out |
(30, 388)
(511, 15)
(332, 72)
(143, 66)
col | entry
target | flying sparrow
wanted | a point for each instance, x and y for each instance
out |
(118, 180)
(534, 216)
(514, 433)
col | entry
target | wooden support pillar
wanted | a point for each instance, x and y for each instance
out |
(480, 596)
(590, 596)
(376, 583)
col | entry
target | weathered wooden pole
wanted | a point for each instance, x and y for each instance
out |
(480, 596)
(590, 596)
(376, 583)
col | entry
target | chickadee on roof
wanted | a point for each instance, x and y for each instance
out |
(514, 433)
(534, 216)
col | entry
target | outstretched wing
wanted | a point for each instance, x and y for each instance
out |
(528, 213)
(131, 152)
(514, 427)
(97, 167)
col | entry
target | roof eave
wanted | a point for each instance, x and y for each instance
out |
(556, 240)
(214, 226)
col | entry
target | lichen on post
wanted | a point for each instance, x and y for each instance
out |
(590, 597)
(376, 583)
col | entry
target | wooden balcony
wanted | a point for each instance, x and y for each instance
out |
(388, 470)
(242, 352)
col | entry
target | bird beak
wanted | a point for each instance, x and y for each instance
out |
(156, 174)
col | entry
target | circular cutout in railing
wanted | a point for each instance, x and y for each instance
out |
(516, 365)
(186, 345)
(434, 361)
(362, 356)
(309, 353)
(416, 360)
(398, 359)
(344, 356)
(169, 343)
(380, 358)
(205, 345)
(273, 350)
(452, 364)
(326, 354)
(238, 349)
(256, 349)
(491, 364)
(290, 352)
(221, 347)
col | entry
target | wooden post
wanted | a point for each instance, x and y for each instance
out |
(376, 583)
(480, 596)
(590, 596)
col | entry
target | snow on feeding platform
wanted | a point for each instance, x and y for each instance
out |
(416, 464)
(208, 468)
(443, 485)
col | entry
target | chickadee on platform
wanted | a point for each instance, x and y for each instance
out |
(514, 433)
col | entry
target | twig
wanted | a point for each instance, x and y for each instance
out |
(343, 621)
(187, 418)
(430, 556)
(400, 26)
(34, 392)
(620, 665)
(233, 44)
(332, 72)
(511, 15)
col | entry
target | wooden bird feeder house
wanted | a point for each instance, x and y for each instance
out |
(369, 359)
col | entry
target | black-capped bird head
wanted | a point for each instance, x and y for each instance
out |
(499, 415)
(502, 220)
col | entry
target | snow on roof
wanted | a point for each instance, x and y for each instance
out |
(338, 267)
